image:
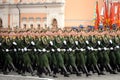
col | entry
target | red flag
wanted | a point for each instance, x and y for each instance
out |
(112, 15)
(105, 14)
(97, 21)
(118, 15)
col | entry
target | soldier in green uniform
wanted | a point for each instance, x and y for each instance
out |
(1, 52)
(26, 62)
(106, 59)
(8, 61)
(117, 54)
(100, 50)
(71, 55)
(18, 60)
(58, 60)
(44, 62)
(91, 58)
(52, 56)
(80, 54)
(112, 57)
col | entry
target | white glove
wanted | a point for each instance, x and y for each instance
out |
(48, 51)
(19, 49)
(105, 48)
(15, 50)
(14, 43)
(65, 42)
(39, 50)
(25, 49)
(53, 50)
(95, 49)
(44, 50)
(88, 47)
(77, 48)
(7, 50)
(22, 50)
(35, 50)
(110, 41)
(32, 43)
(99, 42)
(58, 49)
(70, 49)
(111, 48)
(92, 48)
(76, 42)
(87, 42)
(117, 47)
(64, 50)
(51, 43)
(99, 49)
(82, 49)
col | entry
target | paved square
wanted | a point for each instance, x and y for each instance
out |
(13, 76)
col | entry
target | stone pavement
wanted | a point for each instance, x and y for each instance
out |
(18, 77)
(93, 77)
(108, 76)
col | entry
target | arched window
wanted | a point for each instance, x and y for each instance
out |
(31, 19)
(54, 23)
(44, 18)
(38, 25)
(24, 19)
(25, 26)
(31, 25)
(38, 19)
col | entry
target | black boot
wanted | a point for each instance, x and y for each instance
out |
(49, 71)
(55, 70)
(77, 71)
(93, 69)
(13, 67)
(40, 72)
(98, 70)
(66, 74)
(110, 69)
(31, 71)
(118, 68)
(86, 71)
(23, 71)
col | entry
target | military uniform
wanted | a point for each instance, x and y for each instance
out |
(80, 55)
(117, 54)
(43, 56)
(8, 61)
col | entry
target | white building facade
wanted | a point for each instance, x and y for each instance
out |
(32, 13)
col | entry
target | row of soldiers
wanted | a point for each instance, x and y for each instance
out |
(64, 52)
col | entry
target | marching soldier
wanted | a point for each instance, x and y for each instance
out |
(8, 61)
(80, 55)
(106, 59)
(112, 57)
(26, 61)
(91, 58)
(44, 62)
(117, 55)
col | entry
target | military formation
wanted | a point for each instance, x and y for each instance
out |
(64, 52)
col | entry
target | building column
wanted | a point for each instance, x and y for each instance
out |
(4, 15)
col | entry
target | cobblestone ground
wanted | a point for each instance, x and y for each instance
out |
(14, 76)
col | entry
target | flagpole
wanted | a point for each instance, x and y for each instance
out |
(107, 1)
(9, 14)
(19, 12)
